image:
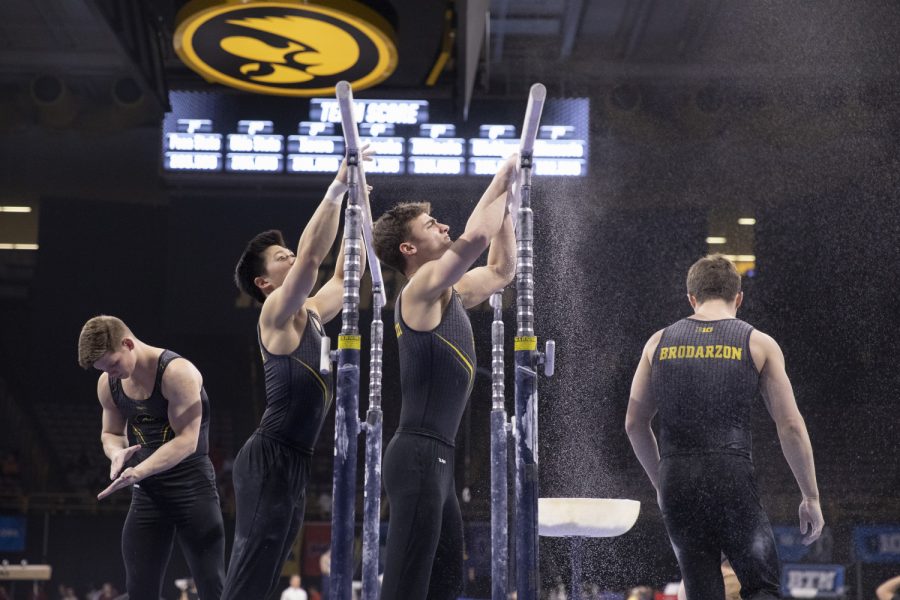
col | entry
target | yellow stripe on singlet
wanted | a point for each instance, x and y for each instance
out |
(138, 434)
(467, 362)
(319, 379)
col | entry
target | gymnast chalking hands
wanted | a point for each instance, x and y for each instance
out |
(120, 478)
(128, 477)
(118, 462)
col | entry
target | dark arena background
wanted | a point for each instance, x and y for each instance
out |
(767, 130)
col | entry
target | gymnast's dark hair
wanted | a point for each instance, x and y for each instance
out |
(713, 277)
(252, 263)
(392, 229)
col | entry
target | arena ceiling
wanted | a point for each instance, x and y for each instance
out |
(97, 50)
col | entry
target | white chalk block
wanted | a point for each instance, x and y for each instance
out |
(586, 517)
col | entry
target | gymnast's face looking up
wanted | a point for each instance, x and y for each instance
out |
(278, 261)
(428, 238)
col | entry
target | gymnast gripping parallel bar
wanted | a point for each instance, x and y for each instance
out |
(351, 139)
(347, 424)
(527, 359)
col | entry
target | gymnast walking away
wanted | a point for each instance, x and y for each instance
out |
(272, 469)
(155, 433)
(701, 376)
(424, 555)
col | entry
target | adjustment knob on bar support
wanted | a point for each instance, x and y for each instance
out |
(325, 356)
(549, 358)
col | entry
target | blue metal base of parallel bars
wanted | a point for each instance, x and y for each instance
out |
(372, 517)
(499, 511)
(527, 566)
(343, 519)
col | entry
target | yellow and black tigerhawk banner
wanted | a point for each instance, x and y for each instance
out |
(285, 47)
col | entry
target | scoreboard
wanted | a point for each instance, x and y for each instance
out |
(217, 133)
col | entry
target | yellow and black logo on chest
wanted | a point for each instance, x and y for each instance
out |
(286, 48)
(147, 419)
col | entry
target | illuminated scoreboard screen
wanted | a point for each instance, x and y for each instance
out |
(221, 133)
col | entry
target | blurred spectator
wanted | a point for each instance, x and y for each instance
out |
(93, 592)
(324, 502)
(38, 591)
(294, 591)
(325, 568)
(732, 585)
(642, 592)
(558, 592)
(188, 589)
(889, 590)
(66, 592)
(108, 592)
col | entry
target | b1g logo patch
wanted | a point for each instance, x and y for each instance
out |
(286, 48)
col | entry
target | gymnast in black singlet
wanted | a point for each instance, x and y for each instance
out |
(424, 556)
(701, 376)
(155, 433)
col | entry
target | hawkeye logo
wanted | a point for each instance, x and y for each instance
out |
(286, 48)
(145, 419)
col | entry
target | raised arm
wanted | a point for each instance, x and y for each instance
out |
(181, 386)
(477, 285)
(315, 243)
(483, 225)
(329, 300)
(641, 410)
(782, 406)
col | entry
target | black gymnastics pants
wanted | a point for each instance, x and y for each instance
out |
(424, 556)
(710, 506)
(270, 480)
(182, 502)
